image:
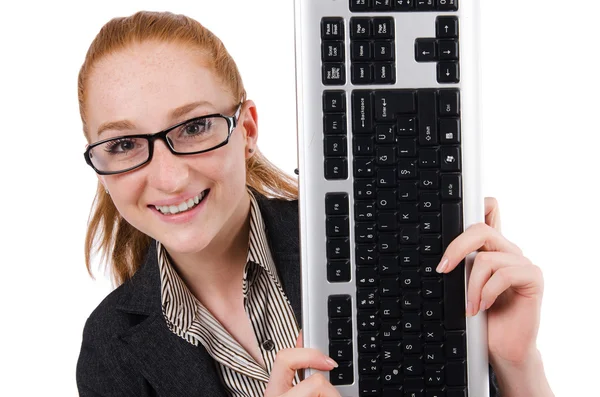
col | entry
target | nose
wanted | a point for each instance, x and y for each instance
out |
(167, 172)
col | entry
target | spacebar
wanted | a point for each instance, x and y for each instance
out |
(454, 282)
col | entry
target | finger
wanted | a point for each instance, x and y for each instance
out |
(477, 237)
(484, 266)
(288, 361)
(526, 280)
(315, 385)
(492, 213)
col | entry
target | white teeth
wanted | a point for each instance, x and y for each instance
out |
(186, 205)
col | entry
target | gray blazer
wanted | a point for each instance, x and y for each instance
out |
(127, 349)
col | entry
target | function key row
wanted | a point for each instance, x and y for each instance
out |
(403, 5)
(334, 135)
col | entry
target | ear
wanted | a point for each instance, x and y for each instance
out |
(249, 122)
(101, 181)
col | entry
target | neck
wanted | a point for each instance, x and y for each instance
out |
(214, 275)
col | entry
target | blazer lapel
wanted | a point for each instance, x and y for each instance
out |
(173, 366)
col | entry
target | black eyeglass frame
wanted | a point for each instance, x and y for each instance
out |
(162, 135)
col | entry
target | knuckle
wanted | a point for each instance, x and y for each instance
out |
(483, 258)
(318, 380)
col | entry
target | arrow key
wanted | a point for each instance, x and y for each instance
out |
(447, 72)
(447, 50)
(425, 50)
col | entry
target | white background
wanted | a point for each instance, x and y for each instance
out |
(540, 96)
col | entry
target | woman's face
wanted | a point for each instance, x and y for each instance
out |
(153, 86)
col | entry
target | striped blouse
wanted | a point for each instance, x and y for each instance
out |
(265, 303)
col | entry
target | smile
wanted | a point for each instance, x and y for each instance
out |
(184, 206)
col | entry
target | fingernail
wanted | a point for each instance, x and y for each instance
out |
(442, 266)
(482, 306)
(330, 361)
(469, 308)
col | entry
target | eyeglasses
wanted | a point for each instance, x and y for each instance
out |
(194, 136)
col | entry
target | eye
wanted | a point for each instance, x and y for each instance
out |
(197, 127)
(121, 145)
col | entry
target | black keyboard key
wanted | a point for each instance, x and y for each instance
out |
(340, 328)
(391, 330)
(447, 50)
(429, 202)
(428, 132)
(433, 332)
(407, 191)
(429, 180)
(411, 301)
(335, 146)
(338, 248)
(389, 286)
(384, 133)
(407, 147)
(429, 158)
(340, 350)
(413, 366)
(342, 375)
(425, 50)
(386, 177)
(456, 392)
(404, 5)
(430, 223)
(334, 123)
(392, 375)
(362, 73)
(333, 73)
(450, 158)
(338, 271)
(390, 308)
(455, 344)
(448, 72)
(432, 289)
(332, 29)
(409, 235)
(339, 306)
(369, 364)
(391, 352)
(411, 322)
(408, 213)
(367, 321)
(409, 257)
(368, 386)
(431, 244)
(433, 354)
(364, 189)
(362, 112)
(337, 204)
(385, 155)
(384, 73)
(365, 232)
(382, 5)
(361, 28)
(456, 373)
(449, 101)
(388, 265)
(361, 51)
(412, 344)
(332, 51)
(454, 288)
(410, 279)
(446, 27)
(449, 131)
(368, 342)
(365, 211)
(383, 28)
(387, 243)
(406, 126)
(447, 5)
(336, 168)
(363, 145)
(366, 254)
(367, 298)
(383, 50)
(337, 226)
(364, 167)
(451, 187)
(390, 103)
(334, 101)
(360, 5)
(407, 169)
(366, 277)
(434, 376)
(425, 5)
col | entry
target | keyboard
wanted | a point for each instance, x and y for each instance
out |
(389, 147)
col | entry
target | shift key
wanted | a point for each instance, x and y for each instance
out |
(454, 282)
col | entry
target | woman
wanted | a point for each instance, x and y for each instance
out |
(184, 218)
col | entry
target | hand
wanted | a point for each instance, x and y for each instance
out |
(503, 281)
(284, 369)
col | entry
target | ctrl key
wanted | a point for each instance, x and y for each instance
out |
(342, 375)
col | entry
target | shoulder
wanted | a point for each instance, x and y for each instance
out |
(106, 320)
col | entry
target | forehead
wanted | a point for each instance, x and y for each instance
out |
(143, 82)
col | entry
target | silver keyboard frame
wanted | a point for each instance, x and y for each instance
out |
(313, 185)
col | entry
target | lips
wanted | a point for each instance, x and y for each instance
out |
(182, 206)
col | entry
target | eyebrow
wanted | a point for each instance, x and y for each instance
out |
(124, 125)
